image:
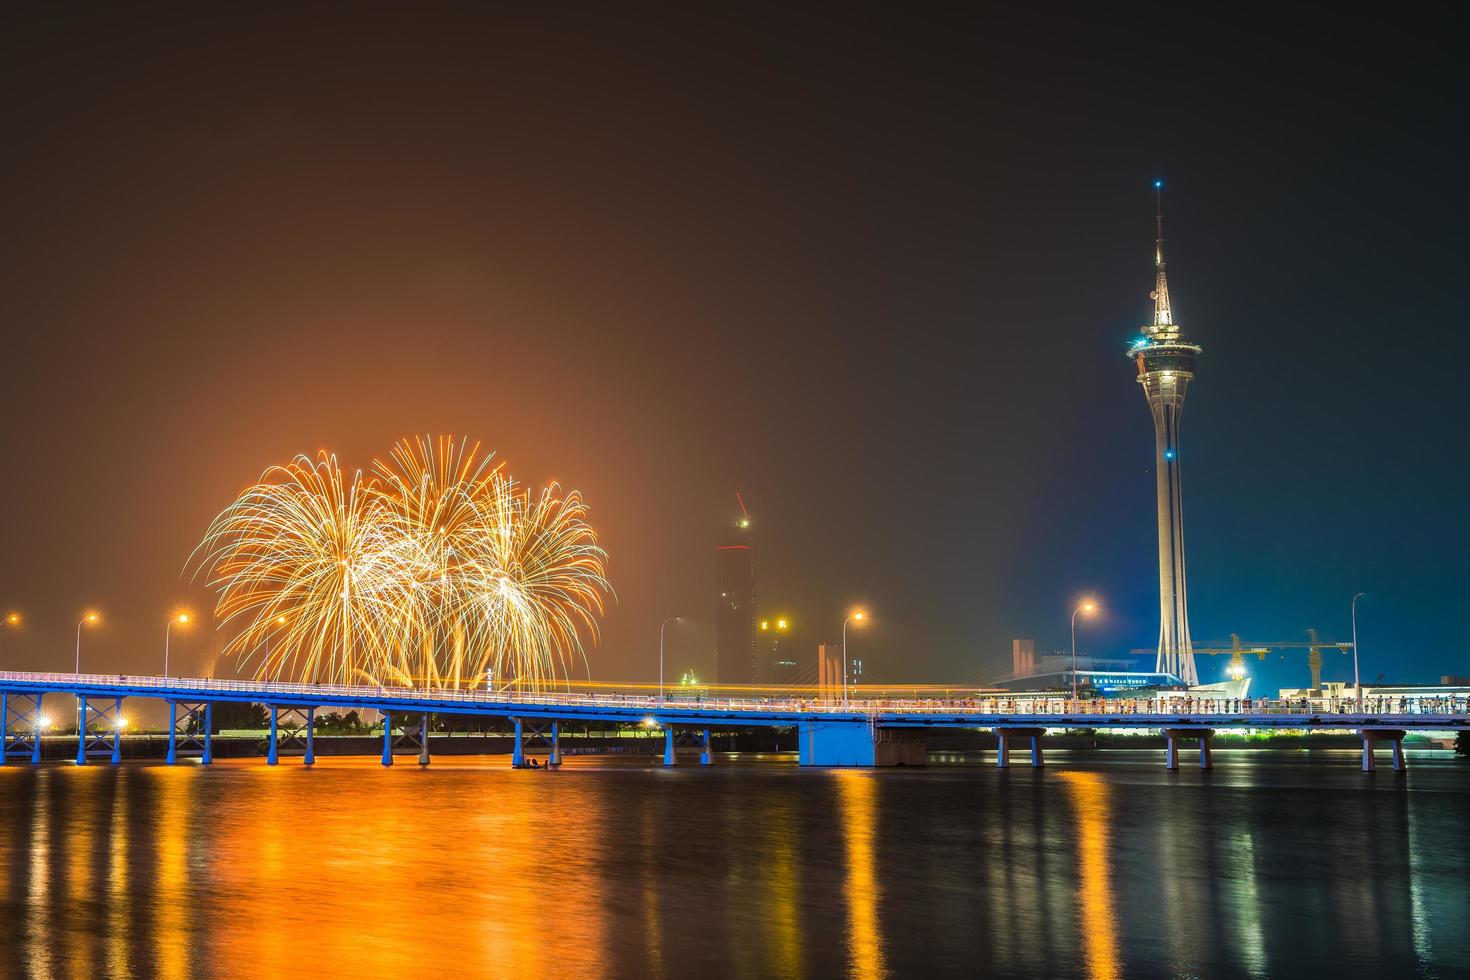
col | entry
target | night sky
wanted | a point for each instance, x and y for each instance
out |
(874, 267)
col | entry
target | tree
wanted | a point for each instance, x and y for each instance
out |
(237, 715)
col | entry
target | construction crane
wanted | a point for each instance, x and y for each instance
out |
(1238, 649)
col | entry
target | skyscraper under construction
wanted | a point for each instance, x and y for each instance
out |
(735, 605)
(1165, 361)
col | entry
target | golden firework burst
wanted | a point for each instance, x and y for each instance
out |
(431, 571)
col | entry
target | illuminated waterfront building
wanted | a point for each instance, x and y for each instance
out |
(735, 604)
(1165, 360)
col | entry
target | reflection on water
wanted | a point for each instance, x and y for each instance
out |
(1101, 865)
(858, 813)
(1095, 896)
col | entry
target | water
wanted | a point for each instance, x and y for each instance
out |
(1101, 865)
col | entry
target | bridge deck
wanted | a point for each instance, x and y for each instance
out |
(1166, 711)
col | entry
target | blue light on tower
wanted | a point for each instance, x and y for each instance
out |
(1159, 184)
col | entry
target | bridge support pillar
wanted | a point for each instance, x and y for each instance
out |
(208, 757)
(1374, 735)
(518, 751)
(1172, 736)
(173, 734)
(81, 730)
(272, 749)
(1003, 748)
(706, 757)
(555, 759)
(387, 738)
(24, 741)
(671, 758)
(854, 742)
(117, 727)
(310, 758)
(424, 740)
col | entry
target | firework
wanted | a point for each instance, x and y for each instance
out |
(431, 570)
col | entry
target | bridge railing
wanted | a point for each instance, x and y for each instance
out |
(1166, 704)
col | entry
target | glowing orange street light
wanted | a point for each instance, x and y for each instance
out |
(89, 618)
(1087, 607)
(183, 620)
(856, 616)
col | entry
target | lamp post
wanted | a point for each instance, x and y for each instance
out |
(664, 626)
(857, 615)
(1086, 606)
(1357, 684)
(86, 619)
(182, 619)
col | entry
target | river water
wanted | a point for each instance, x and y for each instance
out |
(1101, 865)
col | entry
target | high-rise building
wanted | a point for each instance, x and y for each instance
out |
(778, 663)
(1165, 361)
(735, 604)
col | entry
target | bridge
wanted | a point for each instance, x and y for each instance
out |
(864, 732)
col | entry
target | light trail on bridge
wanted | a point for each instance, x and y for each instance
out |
(831, 732)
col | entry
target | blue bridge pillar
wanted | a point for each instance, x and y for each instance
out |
(1003, 748)
(671, 758)
(173, 733)
(424, 740)
(4, 727)
(518, 752)
(272, 754)
(310, 757)
(555, 759)
(387, 738)
(81, 730)
(208, 757)
(1171, 750)
(117, 727)
(706, 757)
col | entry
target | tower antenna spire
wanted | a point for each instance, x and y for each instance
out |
(1163, 314)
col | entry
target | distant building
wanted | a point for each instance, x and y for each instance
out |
(829, 670)
(1095, 675)
(1023, 658)
(778, 661)
(735, 661)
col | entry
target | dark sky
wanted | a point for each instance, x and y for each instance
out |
(873, 266)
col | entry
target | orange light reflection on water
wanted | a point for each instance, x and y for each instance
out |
(857, 795)
(1089, 795)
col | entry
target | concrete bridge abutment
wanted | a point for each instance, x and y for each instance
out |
(857, 743)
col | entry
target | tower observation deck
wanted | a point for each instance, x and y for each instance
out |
(1165, 360)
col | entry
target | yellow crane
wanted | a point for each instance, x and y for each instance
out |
(1238, 649)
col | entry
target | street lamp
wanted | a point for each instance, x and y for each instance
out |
(183, 620)
(671, 619)
(1089, 607)
(87, 619)
(856, 616)
(1357, 684)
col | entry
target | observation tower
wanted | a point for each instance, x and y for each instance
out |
(1165, 359)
